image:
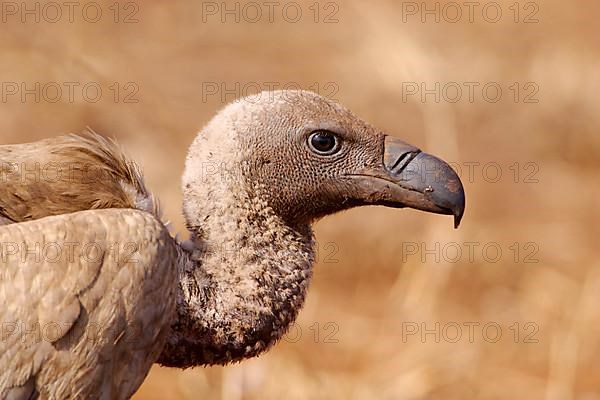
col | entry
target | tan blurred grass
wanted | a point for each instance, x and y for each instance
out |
(374, 291)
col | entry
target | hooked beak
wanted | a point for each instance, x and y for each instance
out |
(411, 178)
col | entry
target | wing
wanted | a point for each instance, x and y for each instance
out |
(87, 300)
(68, 174)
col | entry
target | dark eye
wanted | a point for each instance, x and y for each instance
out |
(323, 142)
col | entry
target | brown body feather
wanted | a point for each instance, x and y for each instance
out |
(80, 324)
(68, 174)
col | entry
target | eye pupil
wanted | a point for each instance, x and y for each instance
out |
(323, 142)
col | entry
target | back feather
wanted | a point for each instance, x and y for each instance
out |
(68, 174)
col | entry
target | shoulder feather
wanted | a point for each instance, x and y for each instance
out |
(68, 174)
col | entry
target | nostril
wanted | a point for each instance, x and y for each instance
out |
(397, 155)
(403, 161)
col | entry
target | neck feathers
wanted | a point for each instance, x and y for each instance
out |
(242, 284)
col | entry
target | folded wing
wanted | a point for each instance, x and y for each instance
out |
(87, 299)
(68, 174)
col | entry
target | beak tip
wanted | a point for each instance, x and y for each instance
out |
(459, 208)
(446, 189)
(457, 219)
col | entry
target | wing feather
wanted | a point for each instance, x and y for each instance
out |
(87, 300)
(67, 174)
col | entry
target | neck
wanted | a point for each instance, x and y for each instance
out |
(243, 280)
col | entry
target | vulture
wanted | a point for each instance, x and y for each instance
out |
(95, 289)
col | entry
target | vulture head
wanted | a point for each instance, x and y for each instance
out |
(256, 177)
(306, 156)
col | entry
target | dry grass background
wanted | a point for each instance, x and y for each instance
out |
(375, 290)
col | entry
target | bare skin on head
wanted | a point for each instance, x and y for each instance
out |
(256, 177)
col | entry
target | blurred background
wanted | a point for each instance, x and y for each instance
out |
(402, 306)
